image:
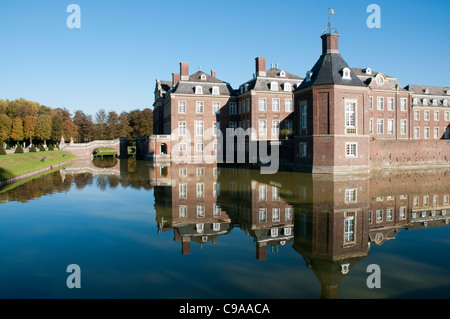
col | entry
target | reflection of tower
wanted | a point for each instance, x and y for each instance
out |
(331, 228)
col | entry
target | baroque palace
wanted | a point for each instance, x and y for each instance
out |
(337, 119)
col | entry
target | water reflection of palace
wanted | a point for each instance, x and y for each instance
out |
(330, 221)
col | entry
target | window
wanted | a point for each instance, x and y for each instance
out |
(233, 125)
(183, 147)
(350, 149)
(287, 87)
(403, 104)
(447, 132)
(403, 127)
(425, 102)
(380, 103)
(283, 74)
(350, 116)
(203, 77)
(262, 215)
(416, 132)
(199, 107)
(216, 226)
(183, 191)
(350, 195)
(288, 213)
(215, 90)
(273, 86)
(371, 126)
(275, 128)
(288, 105)
(200, 211)
(216, 107)
(200, 147)
(349, 228)
(262, 105)
(262, 193)
(370, 103)
(380, 126)
(389, 214)
(436, 132)
(276, 105)
(198, 89)
(275, 193)
(182, 128)
(346, 75)
(275, 214)
(183, 211)
(425, 201)
(435, 102)
(390, 127)
(436, 115)
(302, 149)
(303, 115)
(262, 127)
(288, 125)
(446, 116)
(248, 105)
(415, 101)
(390, 104)
(402, 213)
(417, 115)
(232, 108)
(426, 132)
(444, 103)
(200, 190)
(380, 80)
(182, 107)
(379, 215)
(199, 128)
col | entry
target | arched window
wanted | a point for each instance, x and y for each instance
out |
(346, 74)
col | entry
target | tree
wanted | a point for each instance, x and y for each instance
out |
(100, 125)
(57, 128)
(112, 125)
(5, 127)
(70, 130)
(17, 130)
(85, 126)
(141, 122)
(26, 108)
(43, 127)
(29, 127)
(124, 128)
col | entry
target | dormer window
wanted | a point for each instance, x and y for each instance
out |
(435, 102)
(425, 102)
(368, 71)
(198, 89)
(447, 92)
(246, 87)
(380, 80)
(346, 74)
(273, 86)
(215, 90)
(427, 91)
(287, 87)
(415, 101)
(444, 103)
(283, 74)
(203, 77)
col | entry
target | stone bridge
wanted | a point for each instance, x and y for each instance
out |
(87, 165)
(86, 150)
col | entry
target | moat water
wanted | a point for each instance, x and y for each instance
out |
(185, 231)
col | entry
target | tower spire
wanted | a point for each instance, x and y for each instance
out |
(330, 30)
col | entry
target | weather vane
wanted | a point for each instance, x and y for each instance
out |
(330, 29)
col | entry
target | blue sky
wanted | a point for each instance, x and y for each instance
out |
(122, 47)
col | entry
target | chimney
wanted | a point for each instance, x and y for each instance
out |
(330, 43)
(261, 252)
(260, 66)
(184, 71)
(186, 246)
(175, 79)
(213, 73)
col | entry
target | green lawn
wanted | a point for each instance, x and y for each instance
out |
(17, 164)
(105, 151)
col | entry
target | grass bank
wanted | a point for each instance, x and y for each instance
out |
(13, 165)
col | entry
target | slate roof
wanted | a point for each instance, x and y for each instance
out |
(328, 70)
(262, 83)
(369, 78)
(432, 90)
(188, 87)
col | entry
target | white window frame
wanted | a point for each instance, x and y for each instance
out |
(403, 104)
(275, 127)
(182, 107)
(215, 90)
(199, 89)
(288, 105)
(199, 128)
(216, 107)
(275, 105)
(262, 128)
(274, 86)
(287, 87)
(380, 121)
(199, 107)
(380, 103)
(262, 106)
(403, 127)
(390, 106)
(182, 128)
(351, 150)
(390, 127)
